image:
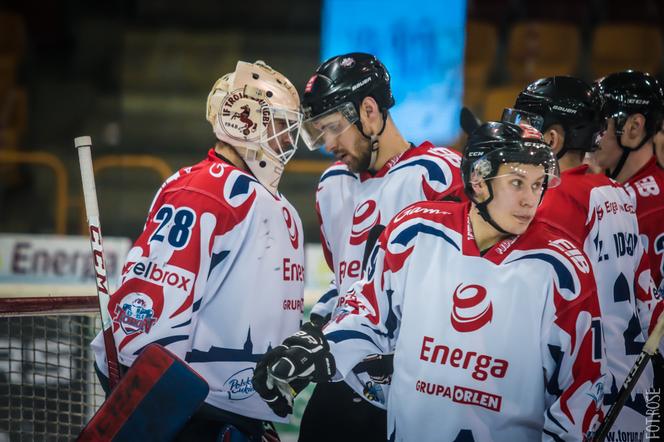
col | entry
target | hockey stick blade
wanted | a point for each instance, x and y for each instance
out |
(649, 349)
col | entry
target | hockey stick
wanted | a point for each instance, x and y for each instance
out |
(84, 146)
(649, 349)
(469, 122)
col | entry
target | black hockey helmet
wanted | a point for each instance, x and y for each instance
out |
(347, 78)
(631, 92)
(340, 84)
(496, 143)
(567, 101)
(627, 93)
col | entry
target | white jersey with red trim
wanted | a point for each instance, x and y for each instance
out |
(350, 204)
(217, 277)
(598, 213)
(504, 346)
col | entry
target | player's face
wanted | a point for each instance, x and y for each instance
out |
(608, 151)
(344, 141)
(659, 145)
(517, 190)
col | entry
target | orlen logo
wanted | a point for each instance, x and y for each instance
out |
(365, 217)
(292, 228)
(471, 309)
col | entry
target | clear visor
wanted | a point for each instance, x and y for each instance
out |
(535, 154)
(319, 130)
(520, 117)
(281, 137)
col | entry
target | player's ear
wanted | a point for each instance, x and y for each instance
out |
(369, 110)
(634, 127)
(480, 190)
(555, 138)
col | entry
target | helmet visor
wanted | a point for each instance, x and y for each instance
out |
(520, 117)
(319, 130)
(533, 152)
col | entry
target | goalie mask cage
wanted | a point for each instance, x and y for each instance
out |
(48, 386)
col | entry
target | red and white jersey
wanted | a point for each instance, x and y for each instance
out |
(217, 277)
(647, 188)
(350, 204)
(501, 347)
(599, 214)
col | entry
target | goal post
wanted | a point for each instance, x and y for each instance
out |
(48, 388)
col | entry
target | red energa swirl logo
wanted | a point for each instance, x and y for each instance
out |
(365, 217)
(292, 228)
(471, 309)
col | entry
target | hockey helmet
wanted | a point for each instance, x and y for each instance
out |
(339, 85)
(256, 110)
(567, 101)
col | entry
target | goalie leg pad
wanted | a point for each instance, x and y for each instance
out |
(152, 402)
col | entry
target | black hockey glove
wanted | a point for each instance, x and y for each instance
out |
(287, 369)
(307, 356)
(278, 395)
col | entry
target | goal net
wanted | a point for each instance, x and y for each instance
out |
(48, 388)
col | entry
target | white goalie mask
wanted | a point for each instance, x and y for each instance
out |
(256, 110)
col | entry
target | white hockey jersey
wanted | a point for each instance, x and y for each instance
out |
(599, 214)
(501, 347)
(350, 204)
(217, 277)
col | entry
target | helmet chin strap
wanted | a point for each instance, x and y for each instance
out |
(625, 153)
(483, 209)
(373, 141)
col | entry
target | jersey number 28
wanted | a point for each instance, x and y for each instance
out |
(174, 225)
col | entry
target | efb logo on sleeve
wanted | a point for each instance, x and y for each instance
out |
(292, 228)
(135, 314)
(365, 217)
(471, 309)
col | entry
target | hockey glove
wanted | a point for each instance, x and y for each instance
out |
(278, 395)
(287, 369)
(307, 356)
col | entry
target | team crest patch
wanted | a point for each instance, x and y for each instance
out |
(243, 117)
(347, 62)
(134, 314)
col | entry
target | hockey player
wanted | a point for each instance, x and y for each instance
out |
(493, 321)
(599, 214)
(346, 108)
(217, 276)
(632, 113)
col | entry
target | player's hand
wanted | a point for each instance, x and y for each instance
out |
(307, 356)
(280, 400)
(287, 369)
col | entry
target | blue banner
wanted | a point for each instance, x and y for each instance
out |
(421, 42)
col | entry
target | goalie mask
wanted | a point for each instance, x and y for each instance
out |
(496, 143)
(256, 110)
